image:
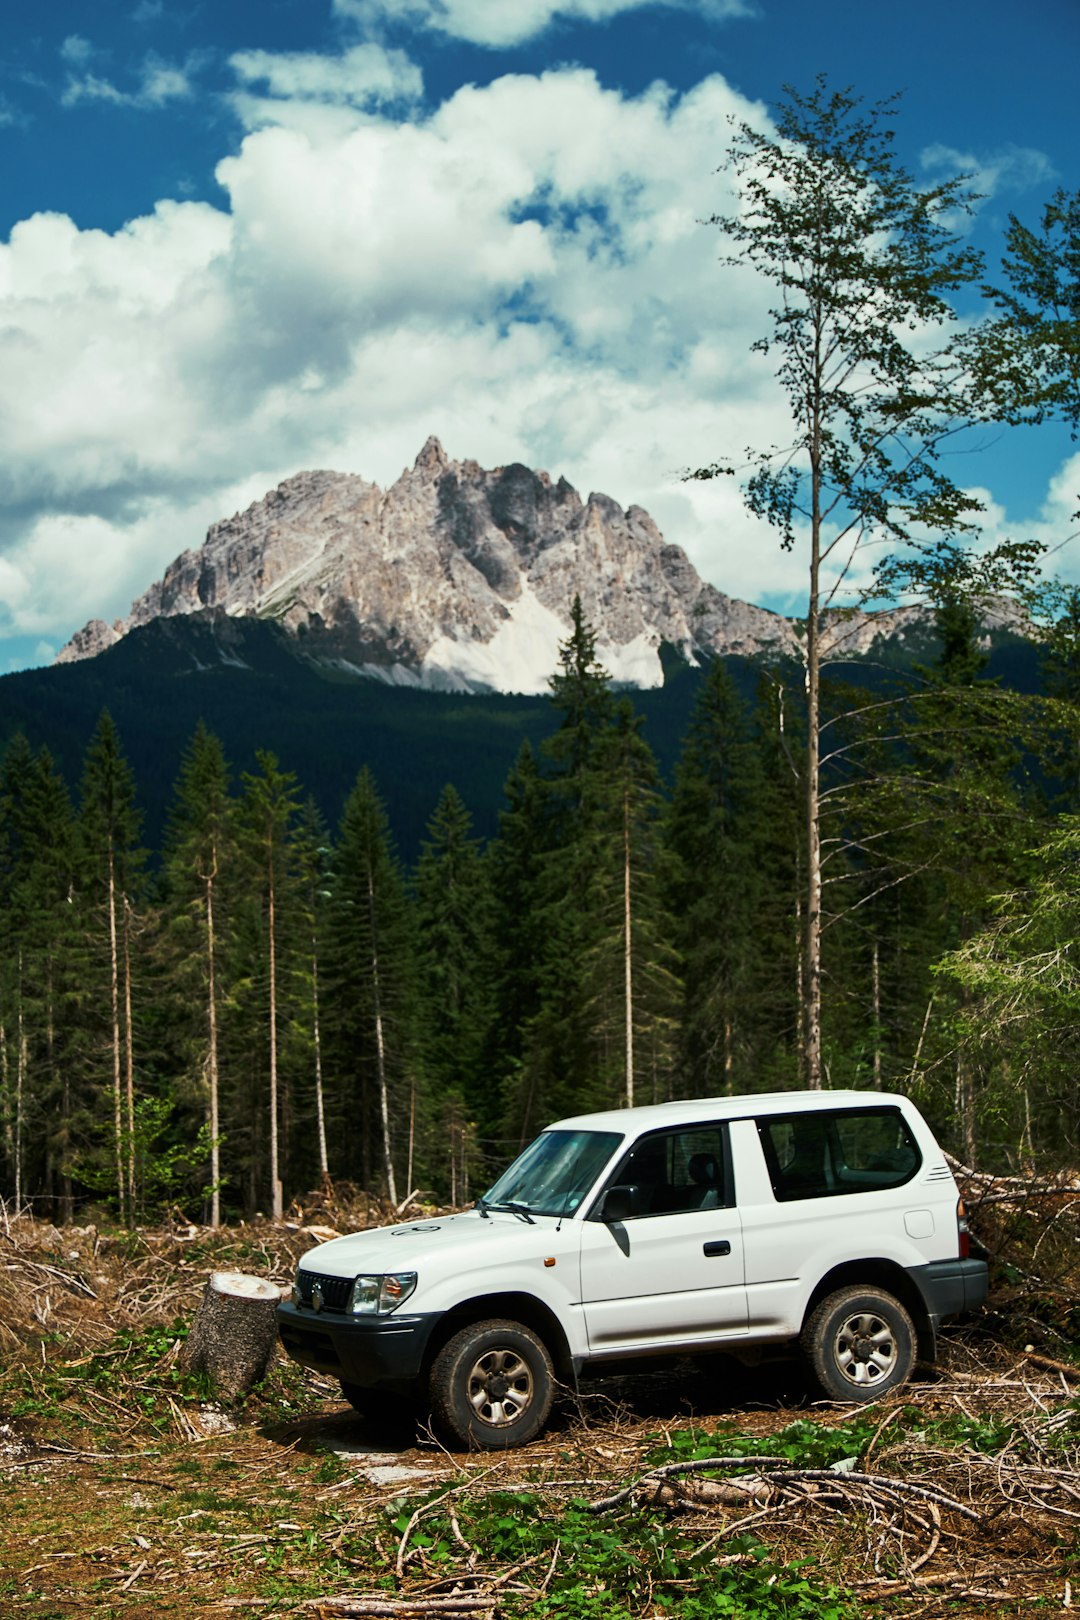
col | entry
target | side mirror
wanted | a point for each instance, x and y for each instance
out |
(620, 1203)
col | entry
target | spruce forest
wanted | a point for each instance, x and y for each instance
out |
(866, 885)
(264, 1003)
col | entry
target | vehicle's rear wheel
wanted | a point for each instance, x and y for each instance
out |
(860, 1343)
(492, 1385)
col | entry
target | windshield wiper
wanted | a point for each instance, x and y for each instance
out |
(482, 1207)
(515, 1209)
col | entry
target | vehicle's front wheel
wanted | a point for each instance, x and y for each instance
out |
(860, 1343)
(492, 1385)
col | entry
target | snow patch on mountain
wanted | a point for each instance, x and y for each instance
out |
(520, 656)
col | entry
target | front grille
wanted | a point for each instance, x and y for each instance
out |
(335, 1290)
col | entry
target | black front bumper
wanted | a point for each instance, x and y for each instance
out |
(951, 1287)
(385, 1352)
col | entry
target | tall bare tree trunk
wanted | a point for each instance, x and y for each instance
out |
(129, 1058)
(5, 1098)
(275, 1178)
(917, 1059)
(628, 952)
(799, 962)
(965, 1108)
(875, 978)
(412, 1137)
(452, 1133)
(380, 1047)
(118, 1093)
(20, 1095)
(320, 1111)
(212, 1048)
(67, 1198)
(812, 978)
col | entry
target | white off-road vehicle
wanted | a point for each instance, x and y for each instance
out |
(827, 1219)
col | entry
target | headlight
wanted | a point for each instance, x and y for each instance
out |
(375, 1296)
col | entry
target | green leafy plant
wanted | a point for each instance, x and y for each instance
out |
(805, 1444)
(615, 1567)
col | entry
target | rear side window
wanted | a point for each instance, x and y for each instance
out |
(828, 1153)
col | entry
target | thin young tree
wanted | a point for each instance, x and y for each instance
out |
(865, 263)
(629, 970)
(559, 1069)
(453, 931)
(200, 845)
(370, 966)
(14, 1047)
(516, 860)
(45, 894)
(313, 860)
(716, 829)
(268, 813)
(108, 830)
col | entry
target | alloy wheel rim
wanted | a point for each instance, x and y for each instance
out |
(500, 1387)
(865, 1349)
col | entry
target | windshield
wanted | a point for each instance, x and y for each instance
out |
(555, 1172)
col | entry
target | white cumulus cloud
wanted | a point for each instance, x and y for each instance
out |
(501, 23)
(520, 270)
(155, 81)
(364, 76)
(992, 174)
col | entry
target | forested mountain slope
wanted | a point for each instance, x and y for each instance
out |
(244, 679)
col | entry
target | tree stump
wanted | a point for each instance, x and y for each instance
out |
(233, 1336)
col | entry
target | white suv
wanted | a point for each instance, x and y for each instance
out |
(830, 1218)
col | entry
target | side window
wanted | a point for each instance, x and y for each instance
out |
(672, 1172)
(825, 1154)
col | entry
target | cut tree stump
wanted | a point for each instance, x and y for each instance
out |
(233, 1336)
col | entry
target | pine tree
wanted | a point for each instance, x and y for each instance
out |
(607, 974)
(370, 978)
(559, 1071)
(200, 849)
(14, 1044)
(44, 902)
(267, 816)
(716, 831)
(453, 928)
(631, 965)
(111, 866)
(516, 859)
(314, 858)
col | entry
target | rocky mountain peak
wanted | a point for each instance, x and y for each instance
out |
(457, 577)
(432, 458)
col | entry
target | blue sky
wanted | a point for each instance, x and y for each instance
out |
(252, 236)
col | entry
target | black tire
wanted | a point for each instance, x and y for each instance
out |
(492, 1386)
(860, 1343)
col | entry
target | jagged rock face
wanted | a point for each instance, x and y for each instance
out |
(455, 577)
(460, 578)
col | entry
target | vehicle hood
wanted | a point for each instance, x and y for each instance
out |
(446, 1242)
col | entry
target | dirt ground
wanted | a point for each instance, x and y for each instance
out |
(127, 1490)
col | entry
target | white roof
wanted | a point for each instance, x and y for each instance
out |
(696, 1110)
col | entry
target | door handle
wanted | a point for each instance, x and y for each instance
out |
(721, 1246)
